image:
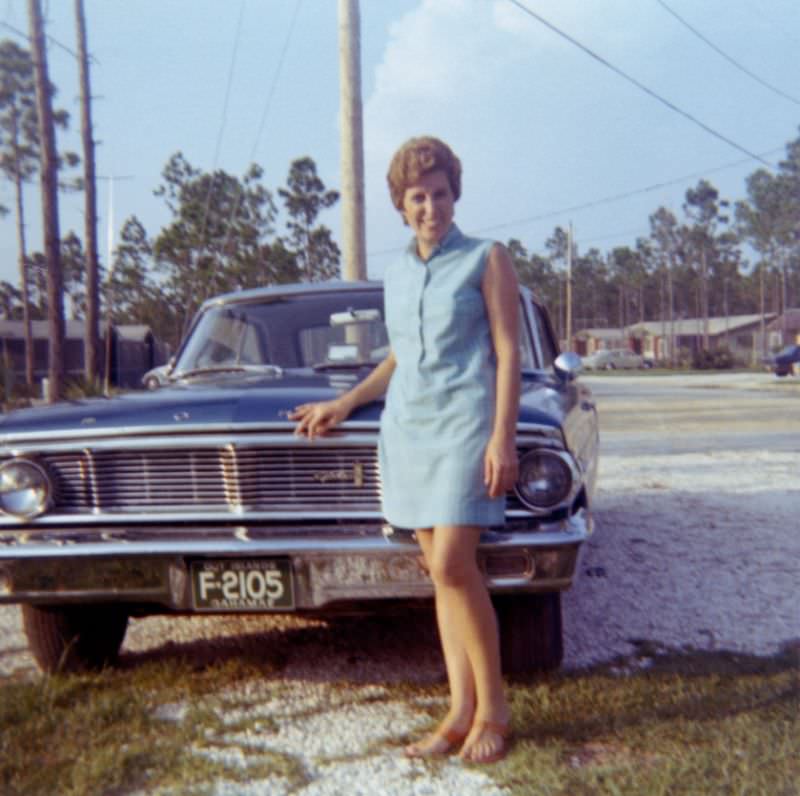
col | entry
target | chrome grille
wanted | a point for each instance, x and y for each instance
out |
(230, 478)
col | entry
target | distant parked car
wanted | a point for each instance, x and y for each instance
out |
(615, 358)
(782, 363)
(157, 377)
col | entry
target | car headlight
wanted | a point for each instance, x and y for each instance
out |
(547, 479)
(25, 488)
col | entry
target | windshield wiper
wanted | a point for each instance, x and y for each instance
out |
(345, 365)
(232, 368)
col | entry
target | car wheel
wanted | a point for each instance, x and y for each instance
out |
(74, 638)
(152, 383)
(531, 636)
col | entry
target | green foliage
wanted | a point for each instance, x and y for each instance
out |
(216, 241)
(716, 359)
(305, 197)
(692, 266)
(222, 239)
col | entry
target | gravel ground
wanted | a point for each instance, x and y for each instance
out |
(692, 549)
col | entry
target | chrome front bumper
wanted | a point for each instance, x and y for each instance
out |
(150, 567)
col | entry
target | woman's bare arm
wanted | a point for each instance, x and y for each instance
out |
(316, 419)
(501, 295)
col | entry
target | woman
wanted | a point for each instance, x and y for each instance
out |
(447, 445)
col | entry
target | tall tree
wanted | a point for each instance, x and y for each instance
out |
(703, 206)
(92, 347)
(19, 159)
(305, 197)
(217, 239)
(769, 220)
(49, 188)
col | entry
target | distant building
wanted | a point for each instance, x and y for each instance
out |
(134, 351)
(740, 334)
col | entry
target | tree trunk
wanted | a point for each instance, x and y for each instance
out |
(704, 296)
(49, 181)
(671, 310)
(92, 345)
(23, 279)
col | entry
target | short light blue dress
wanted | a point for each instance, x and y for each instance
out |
(440, 402)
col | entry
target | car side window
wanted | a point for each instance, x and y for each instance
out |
(544, 335)
(527, 356)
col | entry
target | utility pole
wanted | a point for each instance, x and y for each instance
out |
(351, 130)
(49, 188)
(91, 350)
(110, 286)
(569, 288)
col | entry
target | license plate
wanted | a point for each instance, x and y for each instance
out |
(259, 584)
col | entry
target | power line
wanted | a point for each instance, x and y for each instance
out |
(24, 35)
(626, 195)
(602, 200)
(693, 119)
(727, 57)
(223, 120)
(265, 113)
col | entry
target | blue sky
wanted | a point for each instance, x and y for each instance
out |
(539, 125)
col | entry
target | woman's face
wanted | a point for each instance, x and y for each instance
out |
(428, 207)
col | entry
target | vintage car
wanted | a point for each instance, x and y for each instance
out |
(199, 498)
(615, 359)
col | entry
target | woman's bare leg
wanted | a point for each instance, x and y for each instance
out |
(459, 671)
(469, 636)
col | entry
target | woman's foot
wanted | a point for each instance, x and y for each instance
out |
(443, 741)
(487, 742)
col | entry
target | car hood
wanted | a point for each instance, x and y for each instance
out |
(229, 401)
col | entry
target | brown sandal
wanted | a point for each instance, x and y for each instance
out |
(503, 730)
(452, 738)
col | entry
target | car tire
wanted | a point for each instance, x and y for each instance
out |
(152, 383)
(531, 634)
(74, 638)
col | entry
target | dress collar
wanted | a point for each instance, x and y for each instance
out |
(451, 239)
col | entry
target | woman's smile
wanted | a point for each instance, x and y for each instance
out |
(428, 208)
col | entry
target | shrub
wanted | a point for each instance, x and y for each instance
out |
(718, 359)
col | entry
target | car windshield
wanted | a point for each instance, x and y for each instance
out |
(326, 330)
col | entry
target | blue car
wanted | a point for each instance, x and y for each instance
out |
(198, 497)
(782, 363)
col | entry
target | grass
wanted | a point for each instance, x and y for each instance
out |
(661, 723)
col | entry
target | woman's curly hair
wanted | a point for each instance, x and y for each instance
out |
(417, 157)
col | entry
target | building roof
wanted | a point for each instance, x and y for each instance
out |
(73, 330)
(682, 327)
(788, 321)
(686, 327)
(601, 333)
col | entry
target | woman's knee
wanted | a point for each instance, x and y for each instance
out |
(452, 565)
(450, 573)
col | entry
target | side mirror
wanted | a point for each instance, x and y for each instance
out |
(567, 366)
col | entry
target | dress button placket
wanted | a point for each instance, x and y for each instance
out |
(424, 282)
